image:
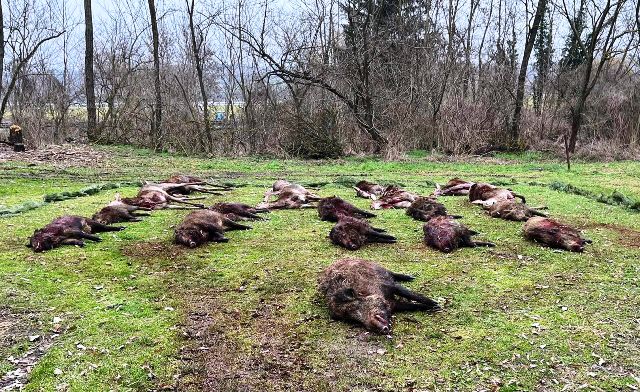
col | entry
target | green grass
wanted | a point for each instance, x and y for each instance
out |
(517, 317)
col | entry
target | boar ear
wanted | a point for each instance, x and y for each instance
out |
(346, 295)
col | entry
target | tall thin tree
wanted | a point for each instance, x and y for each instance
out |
(522, 75)
(156, 122)
(89, 80)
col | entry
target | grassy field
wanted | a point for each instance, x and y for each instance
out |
(136, 312)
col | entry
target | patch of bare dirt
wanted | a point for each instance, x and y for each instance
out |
(626, 236)
(60, 156)
(16, 328)
(154, 250)
(217, 357)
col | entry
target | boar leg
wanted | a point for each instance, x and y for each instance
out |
(97, 227)
(249, 215)
(73, 241)
(82, 234)
(217, 236)
(401, 277)
(482, 243)
(364, 213)
(406, 306)
(231, 225)
(173, 207)
(413, 296)
(182, 201)
(379, 230)
(375, 236)
(534, 211)
(519, 197)
(135, 214)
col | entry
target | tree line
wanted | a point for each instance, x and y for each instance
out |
(324, 78)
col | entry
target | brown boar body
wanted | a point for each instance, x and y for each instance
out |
(487, 194)
(425, 208)
(333, 208)
(554, 234)
(352, 234)
(203, 226)
(364, 292)
(394, 197)
(68, 230)
(289, 189)
(155, 197)
(512, 210)
(447, 235)
(118, 213)
(455, 187)
(238, 211)
(368, 190)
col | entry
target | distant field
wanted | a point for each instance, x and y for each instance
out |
(139, 313)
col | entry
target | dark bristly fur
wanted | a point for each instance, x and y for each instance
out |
(238, 211)
(203, 226)
(447, 235)
(425, 208)
(554, 234)
(352, 234)
(118, 213)
(333, 208)
(364, 292)
(67, 230)
(512, 210)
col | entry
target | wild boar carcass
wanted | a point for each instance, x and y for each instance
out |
(487, 194)
(455, 187)
(190, 184)
(364, 292)
(352, 234)
(368, 190)
(447, 235)
(512, 210)
(425, 208)
(554, 234)
(155, 197)
(333, 208)
(67, 230)
(118, 213)
(284, 186)
(238, 211)
(289, 198)
(394, 197)
(199, 227)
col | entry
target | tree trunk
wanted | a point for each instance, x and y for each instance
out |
(531, 38)
(1, 52)
(197, 56)
(89, 81)
(156, 123)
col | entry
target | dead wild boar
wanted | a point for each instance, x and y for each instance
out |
(333, 208)
(352, 234)
(290, 197)
(455, 187)
(368, 190)
(190, 184)
(238, 211)
(364, 292)
(67, 230)
(202, 226)
(447, 235)
(155, 197)
(394, 197)
(425, 208)
(554, 234)
(118, 213)
(283, 186)
(512, 210)
(487, 194)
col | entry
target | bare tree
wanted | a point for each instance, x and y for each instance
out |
(89, 79)
(156, 122)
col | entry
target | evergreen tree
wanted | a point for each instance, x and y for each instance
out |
(543, 52)
(572, 54)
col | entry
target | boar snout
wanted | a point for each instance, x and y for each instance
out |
(379, 323)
